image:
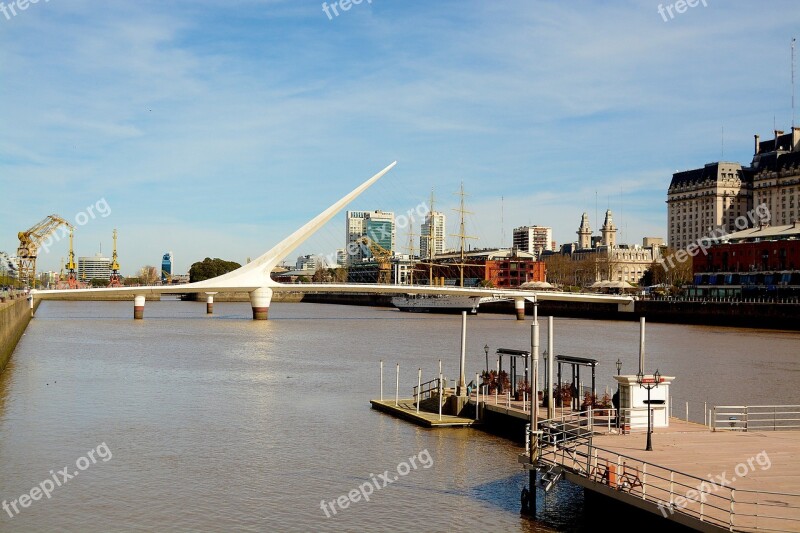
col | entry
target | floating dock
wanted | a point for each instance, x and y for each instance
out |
(407, 410)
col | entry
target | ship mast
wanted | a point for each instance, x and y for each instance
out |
(462, 236)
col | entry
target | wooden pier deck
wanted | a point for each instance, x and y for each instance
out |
(407, 410)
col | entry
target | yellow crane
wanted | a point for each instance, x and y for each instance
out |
(29, 242)
(114, 280)
(72, 278)
(382, 256)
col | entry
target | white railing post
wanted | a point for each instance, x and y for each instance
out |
(687, 411)
(644, 481)
(702, 503)
(381, 379)
(440, 394)
(419, 387)
(671, 488)
(705, 413)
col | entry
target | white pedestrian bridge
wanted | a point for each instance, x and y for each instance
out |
(254, 278)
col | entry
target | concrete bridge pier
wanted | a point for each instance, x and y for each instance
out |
(259, 301)
(210, 303)
(138, 306)
(519, 306)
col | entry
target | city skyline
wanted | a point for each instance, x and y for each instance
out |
(212, 132)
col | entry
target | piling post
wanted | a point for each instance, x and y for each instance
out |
(461, 389)
(551, 409)
(419, 387)
(440, 392)
(381, 379)
(397, 385)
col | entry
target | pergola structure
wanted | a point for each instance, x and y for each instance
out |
(513, 355)
(575, 364)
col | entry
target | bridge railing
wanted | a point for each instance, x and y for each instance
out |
(755, 417)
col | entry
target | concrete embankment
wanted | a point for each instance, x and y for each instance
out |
(14, 317)
(743, 315)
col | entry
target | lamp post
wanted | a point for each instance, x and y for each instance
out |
(649, 384)
(544, 356)
(486, 351)
(619, 369)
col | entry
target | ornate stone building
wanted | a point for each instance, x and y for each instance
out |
(704, 200)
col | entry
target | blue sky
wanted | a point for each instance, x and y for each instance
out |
(216, 128)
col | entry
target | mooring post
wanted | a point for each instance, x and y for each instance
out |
(440, 391)
(419, 387)
(551, 410)
(461, 389)
(477, 396)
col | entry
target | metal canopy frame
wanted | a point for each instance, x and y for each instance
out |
(575, 364)
(512, 355)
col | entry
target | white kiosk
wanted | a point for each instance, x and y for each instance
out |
(633, 401)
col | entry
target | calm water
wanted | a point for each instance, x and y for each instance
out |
(222, 423)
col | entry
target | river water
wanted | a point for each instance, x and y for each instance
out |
(225, 424)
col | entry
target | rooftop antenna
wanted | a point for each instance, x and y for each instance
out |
(793, 41)
(502, 223)
(722, 156)
(596, 218)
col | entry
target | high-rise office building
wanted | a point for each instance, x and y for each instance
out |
(377, 226)
(97, 267)
(533, 239)
(432, 233)
(167, 262)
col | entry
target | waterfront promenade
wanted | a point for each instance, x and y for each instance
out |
(707, 480)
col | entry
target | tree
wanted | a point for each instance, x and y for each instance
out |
(339, 275)
(148, 275)
(321, 275)
(669, 271)
(211, 268)
(98, 282)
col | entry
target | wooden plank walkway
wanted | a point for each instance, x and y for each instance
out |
(407, 410)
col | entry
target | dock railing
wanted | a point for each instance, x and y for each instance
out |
(755, 417)
(566, 443)
(429, 389)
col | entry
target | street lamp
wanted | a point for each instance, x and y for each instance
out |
(649, 384)
(486, 351)
(619, 366)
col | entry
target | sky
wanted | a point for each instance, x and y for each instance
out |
(214, 129)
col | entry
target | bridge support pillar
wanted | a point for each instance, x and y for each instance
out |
(259, 301)
(138, 306)
(210, 303)
(519, 307)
